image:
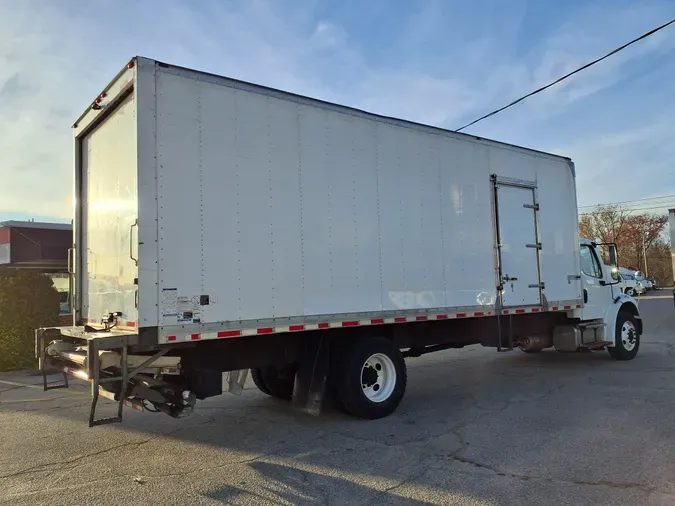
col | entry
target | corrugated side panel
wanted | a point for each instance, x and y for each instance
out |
(274, 209)
(558, 231)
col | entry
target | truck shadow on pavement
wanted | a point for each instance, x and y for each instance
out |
(289, 485)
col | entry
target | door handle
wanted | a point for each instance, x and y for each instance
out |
(585, 296)
(71, 254)
(131, 242)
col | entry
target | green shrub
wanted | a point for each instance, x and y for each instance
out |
(28, 300)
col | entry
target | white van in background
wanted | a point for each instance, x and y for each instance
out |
(630, 285)
(640, 276)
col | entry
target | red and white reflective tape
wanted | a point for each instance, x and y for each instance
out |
(77, 373)
(566, 307)
(226, 334)
(137, 405)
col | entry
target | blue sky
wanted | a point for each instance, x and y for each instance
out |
(436, 62)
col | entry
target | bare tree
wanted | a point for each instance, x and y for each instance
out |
(604, 224)
(634, 234)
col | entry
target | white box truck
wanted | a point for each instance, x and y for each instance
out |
(222, 227)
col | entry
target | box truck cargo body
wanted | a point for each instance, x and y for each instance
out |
(222, 226)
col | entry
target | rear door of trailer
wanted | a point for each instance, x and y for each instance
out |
(107, 205)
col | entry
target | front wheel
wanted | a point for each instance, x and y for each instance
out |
(630, 292)
(370, 378)
(627, 338)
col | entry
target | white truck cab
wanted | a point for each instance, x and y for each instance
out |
(610, 311)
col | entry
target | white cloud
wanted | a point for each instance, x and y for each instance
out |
(55, 57)
(626, 164)
(327, 35)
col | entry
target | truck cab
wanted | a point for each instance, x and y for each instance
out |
(611, 313)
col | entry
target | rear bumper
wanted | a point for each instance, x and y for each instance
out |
(103, 360)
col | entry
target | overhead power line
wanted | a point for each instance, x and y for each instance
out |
(560, 79)
(631, 209)
(629, 201)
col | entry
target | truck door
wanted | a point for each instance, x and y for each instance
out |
(595, 293)
(108, 237)
(517, 242)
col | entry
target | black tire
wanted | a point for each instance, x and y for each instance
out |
(534, 350)
(256, 376)
(623, 350)
(275, 382)
(332, 395)
(630, 292)
(348, 376)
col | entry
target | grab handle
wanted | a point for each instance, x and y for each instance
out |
(131, 242)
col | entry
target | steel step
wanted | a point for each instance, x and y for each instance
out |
(595, 345)
(592, 325)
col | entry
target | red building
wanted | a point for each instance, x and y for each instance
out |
(42, 247)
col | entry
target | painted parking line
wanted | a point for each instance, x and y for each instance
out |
(42, 399)
(15, 384)
(37, 387)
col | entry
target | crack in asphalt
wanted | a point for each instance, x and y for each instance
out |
(61, 464)
(410, 479)
(48, 466)
(526, 477)
(456, 457)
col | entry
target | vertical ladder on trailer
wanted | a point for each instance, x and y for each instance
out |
(504, 331)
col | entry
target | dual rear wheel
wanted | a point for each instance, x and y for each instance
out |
(368, 378)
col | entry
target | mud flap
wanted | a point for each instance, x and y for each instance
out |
(236, 381)
(311, 376)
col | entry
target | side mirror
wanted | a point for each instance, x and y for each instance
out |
(615, 274)
(613, 257)
(613, 261)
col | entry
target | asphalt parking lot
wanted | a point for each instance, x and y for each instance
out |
(476, 427)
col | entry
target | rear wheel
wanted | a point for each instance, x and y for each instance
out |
(275, 382)
(627, 338)
(370, 378)
(256, 376)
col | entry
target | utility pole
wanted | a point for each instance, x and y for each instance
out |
(671, 219)
(644, 253)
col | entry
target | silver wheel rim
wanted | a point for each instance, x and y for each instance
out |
(378, 377)
(628, 336)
